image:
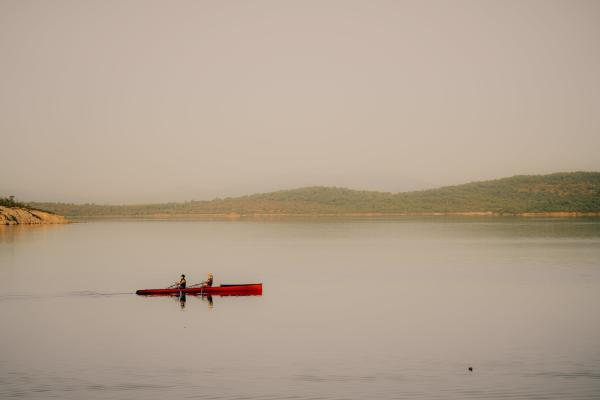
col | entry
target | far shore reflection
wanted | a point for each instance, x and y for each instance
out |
(11, 233)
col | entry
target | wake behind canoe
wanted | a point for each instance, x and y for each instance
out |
(252, 289)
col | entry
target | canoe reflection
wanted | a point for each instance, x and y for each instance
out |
(182, 297)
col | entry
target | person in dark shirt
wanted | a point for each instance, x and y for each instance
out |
(182, 282)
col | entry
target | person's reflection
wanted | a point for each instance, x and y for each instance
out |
(182, 300)
(209, 299)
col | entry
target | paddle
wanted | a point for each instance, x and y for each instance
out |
(201, 284)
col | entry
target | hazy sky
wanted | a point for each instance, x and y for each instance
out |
(142, 101)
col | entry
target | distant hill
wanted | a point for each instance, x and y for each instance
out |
(15, 213)
(574, 192)
(28, 216)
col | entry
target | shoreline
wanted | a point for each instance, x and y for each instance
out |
(276, 216)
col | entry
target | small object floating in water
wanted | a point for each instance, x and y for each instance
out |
(470, 369)
(249, 289)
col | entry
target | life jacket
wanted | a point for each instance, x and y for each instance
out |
(182, 283)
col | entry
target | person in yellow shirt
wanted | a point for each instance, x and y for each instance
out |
(209, 280)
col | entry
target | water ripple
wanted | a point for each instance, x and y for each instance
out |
(83, 293)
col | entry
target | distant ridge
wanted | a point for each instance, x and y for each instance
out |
(28, 216)
(559, 194)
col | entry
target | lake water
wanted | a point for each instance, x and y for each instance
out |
(351, 309)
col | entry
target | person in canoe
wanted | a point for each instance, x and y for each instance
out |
(182, 282)
(209, 280)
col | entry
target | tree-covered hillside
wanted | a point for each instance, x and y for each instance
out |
(571, 192)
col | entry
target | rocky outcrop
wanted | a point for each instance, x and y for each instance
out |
(18, 215)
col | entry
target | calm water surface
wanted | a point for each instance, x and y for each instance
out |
(350, 310)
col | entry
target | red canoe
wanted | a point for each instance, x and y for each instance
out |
(252, 289)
